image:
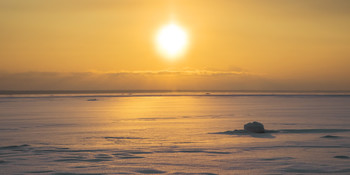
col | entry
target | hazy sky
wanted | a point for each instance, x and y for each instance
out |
(110, 44)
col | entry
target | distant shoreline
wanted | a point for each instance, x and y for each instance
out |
(162, 91)
(128, 93)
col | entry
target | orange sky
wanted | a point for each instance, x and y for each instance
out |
(106, 44)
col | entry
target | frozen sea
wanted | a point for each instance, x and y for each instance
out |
(174, 134)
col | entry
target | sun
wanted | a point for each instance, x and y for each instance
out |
(171, 41)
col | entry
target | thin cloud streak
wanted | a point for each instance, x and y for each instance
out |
(186, 72)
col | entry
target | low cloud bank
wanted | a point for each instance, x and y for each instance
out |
(153, 80)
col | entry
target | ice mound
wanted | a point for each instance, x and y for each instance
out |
(255, 127)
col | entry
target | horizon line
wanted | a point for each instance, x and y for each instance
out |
(9, 92)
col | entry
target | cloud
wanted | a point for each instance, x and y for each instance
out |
(189, 79)
(132, 80)
(181, 73)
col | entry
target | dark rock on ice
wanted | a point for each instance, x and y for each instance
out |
(92, 99)
(330, 137)
(150, 171)
(255, 127)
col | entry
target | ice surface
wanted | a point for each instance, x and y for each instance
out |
(174, 135)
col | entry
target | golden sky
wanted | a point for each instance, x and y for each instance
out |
(233, 45)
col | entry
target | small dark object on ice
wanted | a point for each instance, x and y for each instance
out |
(255, 127)
(92, 99)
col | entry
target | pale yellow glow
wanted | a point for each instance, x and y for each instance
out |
(171, 41)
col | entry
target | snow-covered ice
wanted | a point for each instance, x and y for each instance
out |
(174, 135)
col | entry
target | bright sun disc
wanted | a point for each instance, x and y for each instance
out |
(171, 41)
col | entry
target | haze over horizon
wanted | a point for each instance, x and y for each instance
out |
(232, 45)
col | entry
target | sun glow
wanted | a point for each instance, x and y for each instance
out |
(171, 41)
